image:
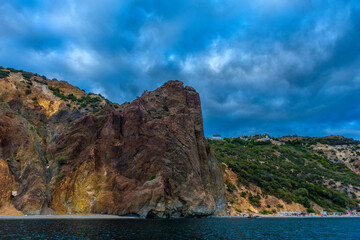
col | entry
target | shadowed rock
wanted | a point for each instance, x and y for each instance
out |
(150, 160)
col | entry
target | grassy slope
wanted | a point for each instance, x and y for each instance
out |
(291, 172)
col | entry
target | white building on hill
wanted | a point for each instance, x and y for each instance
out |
(216, 137)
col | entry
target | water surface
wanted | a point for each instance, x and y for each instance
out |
(293, 228)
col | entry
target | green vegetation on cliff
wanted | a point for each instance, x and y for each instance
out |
(292, 171)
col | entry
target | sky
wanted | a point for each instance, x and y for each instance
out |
(281, 67)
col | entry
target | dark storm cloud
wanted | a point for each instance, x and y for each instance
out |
(276, 66)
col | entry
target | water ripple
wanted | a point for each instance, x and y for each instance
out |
(333, 228)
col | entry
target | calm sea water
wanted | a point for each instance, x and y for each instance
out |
(324, 228)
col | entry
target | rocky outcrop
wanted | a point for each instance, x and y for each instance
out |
(149, 159)
(70, 152)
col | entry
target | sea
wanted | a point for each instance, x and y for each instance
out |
(212, 228)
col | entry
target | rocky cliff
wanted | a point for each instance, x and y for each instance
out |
(68, 152)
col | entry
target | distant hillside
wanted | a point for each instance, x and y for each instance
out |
(290, 173)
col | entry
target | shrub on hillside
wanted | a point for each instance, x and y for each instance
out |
(27, 75)
(152, 178)
(4, 74)
(254, 200)
(230, 187)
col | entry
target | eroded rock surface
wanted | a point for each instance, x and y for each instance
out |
(67, 151)
(150, 159)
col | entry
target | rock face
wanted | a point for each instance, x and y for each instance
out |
(20, 154)
(145, 158)
(150, 159)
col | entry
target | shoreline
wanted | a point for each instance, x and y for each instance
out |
(297, 217)
(49, 217)
(114, 217)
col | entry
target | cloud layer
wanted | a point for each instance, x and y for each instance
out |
(276, 66)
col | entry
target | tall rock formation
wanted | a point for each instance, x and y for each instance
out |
(70, 152)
